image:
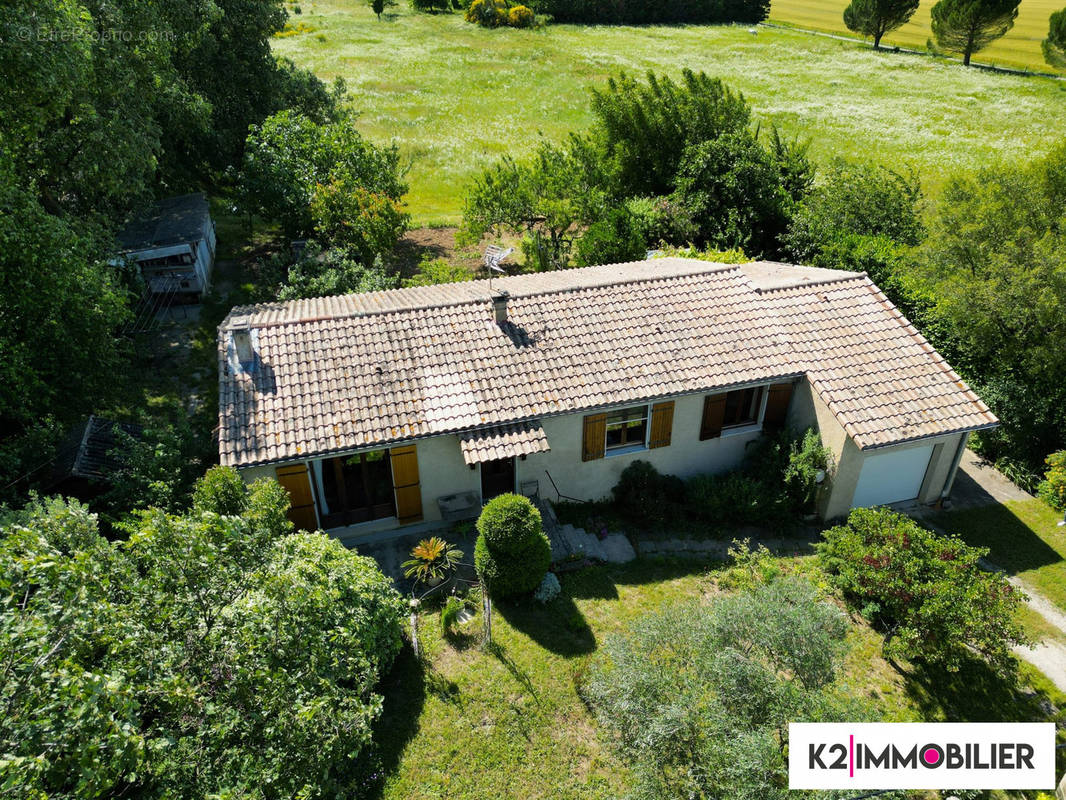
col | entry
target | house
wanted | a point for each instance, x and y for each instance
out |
(409, 406)
(173, 243)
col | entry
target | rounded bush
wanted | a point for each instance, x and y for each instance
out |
(489, 13)
(221, 490)
(512, 553)
(520, 17)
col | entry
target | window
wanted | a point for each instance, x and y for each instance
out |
(627, 428)
(357, 488)
(731, 410)
(742, 407)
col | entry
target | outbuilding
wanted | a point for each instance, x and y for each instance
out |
(173, 244)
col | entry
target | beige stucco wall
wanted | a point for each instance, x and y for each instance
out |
(591, 480)
(442, 470)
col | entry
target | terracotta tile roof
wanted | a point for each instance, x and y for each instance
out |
(342, 373)
(503, 441)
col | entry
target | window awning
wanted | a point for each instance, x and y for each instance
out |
(503, 441)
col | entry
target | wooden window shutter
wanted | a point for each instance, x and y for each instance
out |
(405, 482)
(662, 424)
(296, 481)
(713, 416)
(594, 441)
(777, 406)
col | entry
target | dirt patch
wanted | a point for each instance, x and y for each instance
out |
(422, 243)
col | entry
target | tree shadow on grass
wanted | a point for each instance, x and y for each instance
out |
(404, 692)
(1013, 544)
(975, 693)
(558, 627)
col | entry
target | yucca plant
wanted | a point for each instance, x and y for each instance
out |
(431, 561)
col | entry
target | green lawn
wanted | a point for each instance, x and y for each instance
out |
(455, 97)
(1024, 540)
(466, 723)
(1019, 49)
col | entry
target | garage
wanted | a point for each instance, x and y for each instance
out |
(891, 476)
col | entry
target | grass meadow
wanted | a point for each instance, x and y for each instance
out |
(1019, 49)
(455, 97)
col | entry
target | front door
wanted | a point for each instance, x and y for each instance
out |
(497, 477)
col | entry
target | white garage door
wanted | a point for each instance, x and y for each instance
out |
(892, 476)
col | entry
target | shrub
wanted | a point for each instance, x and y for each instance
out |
(520, 17)
(735, 498)
(487, 13)
(323, 273)
(548, 590)
(512, 553)
(927, 592)
(807, 458)
(646, 496)
(614, 239)
(697, 697)
(449, 614)
(432, 271)
(1052, 489)
(430, 5)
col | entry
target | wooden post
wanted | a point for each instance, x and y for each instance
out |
(486, 605)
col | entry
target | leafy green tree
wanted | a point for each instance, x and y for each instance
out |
(290, 156)
(993, 265)
(967, 26)
(205, 656)
(698, 698)
(875, 18)
(643, 129)
(856, 199)
(364, 222)
(511, 553)
(732, 190)
(927, 592)
(323, 273)
(1054, 46)
(549, 200)
(614, 239)
(61, 306)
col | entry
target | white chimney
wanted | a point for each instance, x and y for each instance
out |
(499, 304)
(241, 332)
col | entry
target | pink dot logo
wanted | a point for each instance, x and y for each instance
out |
(931, 756)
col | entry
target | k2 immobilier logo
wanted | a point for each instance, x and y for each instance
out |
(921, 755)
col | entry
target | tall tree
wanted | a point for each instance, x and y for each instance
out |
(967, 26)
(877, 17)
(1054, 45)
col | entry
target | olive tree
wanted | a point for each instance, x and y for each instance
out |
(698, 697)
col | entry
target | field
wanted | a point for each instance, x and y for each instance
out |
(1019, 49)
(455, 97)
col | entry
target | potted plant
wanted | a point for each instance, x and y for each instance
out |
(431, 561)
